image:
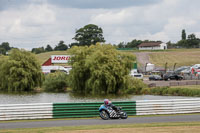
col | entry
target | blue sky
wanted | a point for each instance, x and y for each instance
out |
(35, 23)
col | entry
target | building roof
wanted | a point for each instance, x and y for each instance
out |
(150, 44)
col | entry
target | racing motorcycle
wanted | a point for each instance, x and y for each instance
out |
(109, 113)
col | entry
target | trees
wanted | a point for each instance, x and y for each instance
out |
(193, 41)
(88, 35)
(99, 69)
(38, 50)
(4, 47)
(61, 46)
(55, 82)
(2, 51)
(134, 43)
(121, 45)
(48, 48)
(182, 43)
(183, 35)
(20, 72)
(190, 42)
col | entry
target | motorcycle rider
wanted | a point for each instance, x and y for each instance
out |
(108, 104)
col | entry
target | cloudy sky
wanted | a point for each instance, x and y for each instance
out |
(35, 23)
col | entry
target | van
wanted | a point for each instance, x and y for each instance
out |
(49, 69)
(134, 73)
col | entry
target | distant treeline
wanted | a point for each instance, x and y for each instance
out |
(91, 34)
(186, 42)
(61, 46)
(190, 41)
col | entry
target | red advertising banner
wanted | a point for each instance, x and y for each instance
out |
(60, 58)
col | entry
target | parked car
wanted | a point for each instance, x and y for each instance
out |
(155, 77)
(180, 69)
(172, 76)
(186, 71)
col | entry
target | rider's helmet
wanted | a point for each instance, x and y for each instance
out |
(106, 101)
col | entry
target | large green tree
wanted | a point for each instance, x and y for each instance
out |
(20, 72)
(192, 41)
(88, 35)
(99, 69)
(4, 47)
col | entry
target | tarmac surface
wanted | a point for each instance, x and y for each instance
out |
(98, 121)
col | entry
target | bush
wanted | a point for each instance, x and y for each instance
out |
(134, 86)
(173, 91)
(20, 71)
(55, 82)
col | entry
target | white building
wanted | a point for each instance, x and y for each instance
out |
(153, 46)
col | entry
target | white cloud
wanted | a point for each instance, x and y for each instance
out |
(112, 17)
(38, 23)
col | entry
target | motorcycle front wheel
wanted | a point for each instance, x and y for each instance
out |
(104, 115)
(124, 115)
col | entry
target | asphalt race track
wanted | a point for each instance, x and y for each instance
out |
(98, 121)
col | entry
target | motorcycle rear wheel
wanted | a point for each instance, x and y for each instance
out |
(104, 115)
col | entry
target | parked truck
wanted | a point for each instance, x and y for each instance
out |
(49, 69)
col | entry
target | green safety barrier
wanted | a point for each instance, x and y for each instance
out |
(73, 110)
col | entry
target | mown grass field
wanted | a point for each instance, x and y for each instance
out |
(177, 127)
(183, 57)
(187, 87)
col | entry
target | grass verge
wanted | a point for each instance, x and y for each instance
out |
(95, 127)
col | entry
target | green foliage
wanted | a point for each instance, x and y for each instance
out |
(20, 72)
(4, 47)
(191, 42)
(55, 82)
(88, 35)
(99, 69)
(183, 35)
(48, 48)
(134, 86)
(38, 50)
(173, 91)
(182, 43)
(133, 44)
(121, 45)
(170, 45)
(2, 51)
(61, 46)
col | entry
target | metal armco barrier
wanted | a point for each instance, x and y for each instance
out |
(25, 111)
(73, 110)
(171, 106)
